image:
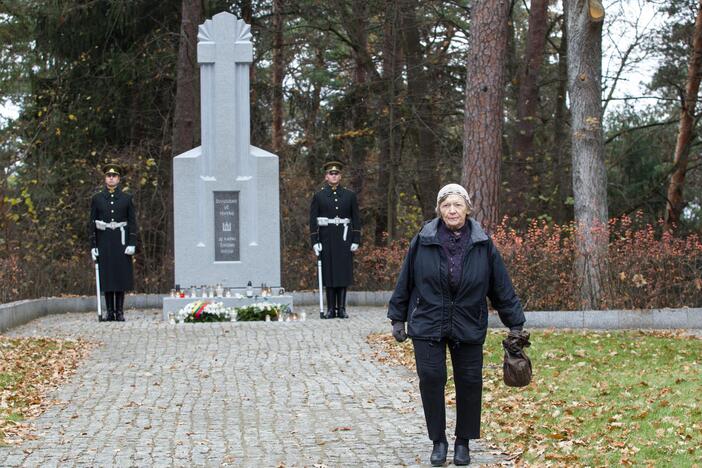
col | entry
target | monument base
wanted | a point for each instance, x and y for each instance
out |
(174, 304)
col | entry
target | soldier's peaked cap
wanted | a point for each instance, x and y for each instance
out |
(333, 166)
(112, 168)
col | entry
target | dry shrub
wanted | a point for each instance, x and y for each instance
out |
(12, 278)
(647, 267)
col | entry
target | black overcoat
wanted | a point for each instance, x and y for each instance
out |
(337, 258)
(115, 266)
(423, 298)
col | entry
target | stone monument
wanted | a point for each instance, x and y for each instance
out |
(226, 195)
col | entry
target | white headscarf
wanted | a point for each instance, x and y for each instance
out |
(453, 189)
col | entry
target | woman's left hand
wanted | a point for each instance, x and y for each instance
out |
(398, 331)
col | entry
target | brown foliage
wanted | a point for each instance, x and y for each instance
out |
(645, 269)
(29, 369)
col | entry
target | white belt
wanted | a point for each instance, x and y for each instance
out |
(336, 221)
(102, 225)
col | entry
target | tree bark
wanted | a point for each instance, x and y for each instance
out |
(528, 101)
(419, 100)
(358, 33)
(386, 212)
(483, 121)
(687, 121)
(311, 116)
(278, 75)
(587, 142)
(561, 163)
(186, 115)
(247, 16)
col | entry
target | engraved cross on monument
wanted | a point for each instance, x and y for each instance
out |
(226, 197)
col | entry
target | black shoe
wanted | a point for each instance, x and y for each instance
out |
(342, 313)
(461, 455)
(331, 313)
(438, 455)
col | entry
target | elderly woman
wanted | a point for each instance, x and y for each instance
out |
(450, 269)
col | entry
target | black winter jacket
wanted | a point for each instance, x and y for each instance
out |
(422, 295)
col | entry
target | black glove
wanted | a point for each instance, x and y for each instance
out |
(398, 331)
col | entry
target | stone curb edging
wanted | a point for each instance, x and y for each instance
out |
(14, 314)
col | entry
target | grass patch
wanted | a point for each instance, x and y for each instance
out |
(29, 368)
(597, 398)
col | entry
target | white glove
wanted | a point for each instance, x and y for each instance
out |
(101, 225)
(317, 248)
(130, 250)
(354, 247)
(94, 253)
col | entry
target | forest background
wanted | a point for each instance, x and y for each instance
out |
(391, 87)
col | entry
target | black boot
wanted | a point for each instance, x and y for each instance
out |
(119, 306)
(438, 454)
(341, 303)
(461, 453)
(110, 306)
(331, 313)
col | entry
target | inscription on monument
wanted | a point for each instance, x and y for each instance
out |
(226, 226)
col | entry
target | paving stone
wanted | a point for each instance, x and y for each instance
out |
(230, 394)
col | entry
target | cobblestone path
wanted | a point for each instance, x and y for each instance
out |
(235, 394)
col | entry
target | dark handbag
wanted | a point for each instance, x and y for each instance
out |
(517, 365)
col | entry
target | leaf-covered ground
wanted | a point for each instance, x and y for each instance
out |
(597, 398)
(29, 369)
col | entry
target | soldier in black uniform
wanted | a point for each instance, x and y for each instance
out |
(335, 228)
(113, 236)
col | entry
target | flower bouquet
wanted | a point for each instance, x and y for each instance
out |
(205, 311)
(261, 310)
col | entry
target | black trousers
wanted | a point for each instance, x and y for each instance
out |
(467, 360)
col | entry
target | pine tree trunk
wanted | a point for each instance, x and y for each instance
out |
(561, 144)
(386, 212)
(483, 124)
(278, 75)
(247, 16)
(527, 104)
(685, 132)
(358, 33)
(421, 109)
(186, 115)
(589, 175)
(311, 116)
